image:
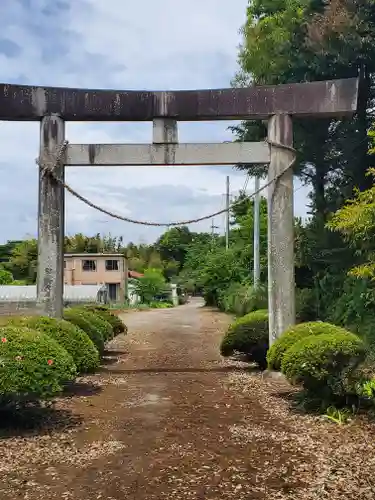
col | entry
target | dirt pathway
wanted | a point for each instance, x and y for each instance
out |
(171, 420)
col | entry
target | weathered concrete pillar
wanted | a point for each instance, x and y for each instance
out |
(125, 286)
(281, 284)
(174, 294)
(51, 220)
(165, 130)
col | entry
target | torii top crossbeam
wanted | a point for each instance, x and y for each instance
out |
(325, 99)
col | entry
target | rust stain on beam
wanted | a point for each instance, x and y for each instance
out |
(326, 98)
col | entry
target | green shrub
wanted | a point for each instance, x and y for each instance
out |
(86, 321)
(226, 298)
(323, 363)
(33, 366)
(248, 335)
(277, 351)
(116, 323)
(251, 299)
(160, 305)
(100, 324)
(74, 340)
(242, 299)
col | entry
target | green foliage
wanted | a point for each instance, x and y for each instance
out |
(227, 298)
(271, 34)
(117, 325)
(287, 41)
(33, 366)
(322, 363)
(242, 299)
(150, 285)
(220, 269)
(356, 222)
(102, 325)
(338, 416)
(366, 390)
(6, 251)
(23, 261)
(6, 277)
(79, 243)
(86, 321)
(306, 309)
(160, 305)
(294, 334)
(173, 244)
(248, 335)
(74, 340)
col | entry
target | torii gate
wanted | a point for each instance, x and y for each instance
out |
(52, 106)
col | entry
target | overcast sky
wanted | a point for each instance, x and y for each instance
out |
(148, 44)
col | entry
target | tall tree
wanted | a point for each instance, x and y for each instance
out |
(288, 41)
(173, 244)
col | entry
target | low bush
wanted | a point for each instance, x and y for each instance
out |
(160, 305)
(74, 340)
(86, 321)
(227, 297)
(294, 334)
(116, 323)
(242, 299)
(248, 335)
(101, 324)
(323, 363)
(33, 366)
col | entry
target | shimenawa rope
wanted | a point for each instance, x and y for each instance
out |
(49, 162)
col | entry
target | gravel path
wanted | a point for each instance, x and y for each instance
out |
(167, 418)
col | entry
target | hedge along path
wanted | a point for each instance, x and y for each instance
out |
(96, 321)
(173, 421)
(102, 311)
(89, 323)
(32, 365)
(248, 335)
(76, 342)
(294, 334)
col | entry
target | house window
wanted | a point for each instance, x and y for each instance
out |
(64, 264)
(111, 265)
(89, 265)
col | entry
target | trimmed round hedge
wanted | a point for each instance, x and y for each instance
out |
(102, 311)
(33, 366)
(74, 340)
(248, 335)
(86, 321)
(102, 325)
(322, 363)
(276, 352)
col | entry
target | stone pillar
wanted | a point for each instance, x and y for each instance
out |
(51, 220)
(165, 131)
(281, 283)
(125, 298)
(174, 294)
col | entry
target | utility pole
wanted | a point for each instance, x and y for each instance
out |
(227, 215)
(257, 233)
(213, 227)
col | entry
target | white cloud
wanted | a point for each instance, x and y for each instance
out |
(148, 44)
